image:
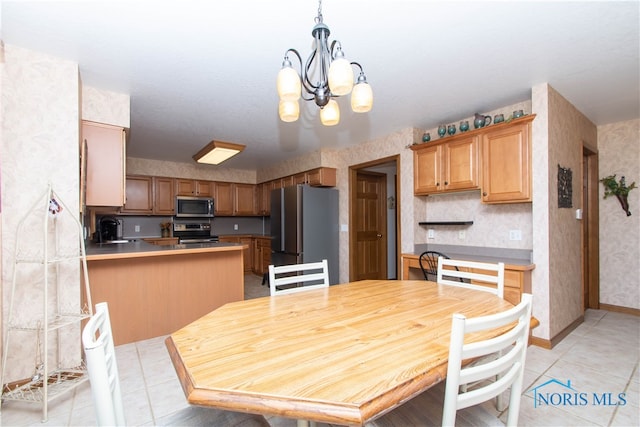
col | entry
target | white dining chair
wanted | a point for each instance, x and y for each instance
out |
(102, 369)
(449, 403)
(481, 276)
(286, 279)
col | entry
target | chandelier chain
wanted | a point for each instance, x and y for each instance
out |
(318, 18)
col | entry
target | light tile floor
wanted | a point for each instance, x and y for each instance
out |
(600, 359)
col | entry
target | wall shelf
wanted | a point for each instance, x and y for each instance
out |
(445, 223)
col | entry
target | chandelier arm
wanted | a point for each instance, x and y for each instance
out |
(303, 75)
(309, 87)
(358, 65)
(333, 45)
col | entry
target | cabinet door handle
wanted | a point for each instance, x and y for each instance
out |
(446, 183)
(484, 194)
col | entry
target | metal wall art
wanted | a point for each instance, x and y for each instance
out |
(564, 187)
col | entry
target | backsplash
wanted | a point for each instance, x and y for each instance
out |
(149, 226)
(492, 224)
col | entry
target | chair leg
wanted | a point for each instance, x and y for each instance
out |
(265, 278)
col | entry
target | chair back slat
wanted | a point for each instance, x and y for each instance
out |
(288, 279)
(102, 368)
(482, 276)
(504, 369)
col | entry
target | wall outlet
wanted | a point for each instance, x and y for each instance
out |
(515, 235)
(137, 228)
(462, 234)
(235, 226)
(431, 233)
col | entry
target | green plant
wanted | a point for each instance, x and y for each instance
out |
(618, 189)
(612, 187)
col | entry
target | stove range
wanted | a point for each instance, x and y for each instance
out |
(193, 231)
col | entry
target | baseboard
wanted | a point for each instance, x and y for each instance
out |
(618, 309)
(549, 344)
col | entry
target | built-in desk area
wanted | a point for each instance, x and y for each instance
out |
(517, 269)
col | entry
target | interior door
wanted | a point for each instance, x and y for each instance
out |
(370, 226)
(590, 231)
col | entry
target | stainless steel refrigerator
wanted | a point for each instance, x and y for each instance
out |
(304, 227)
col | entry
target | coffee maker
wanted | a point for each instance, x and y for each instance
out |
(108, 229)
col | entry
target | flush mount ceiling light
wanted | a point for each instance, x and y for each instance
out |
(217, 152)
(326, 75)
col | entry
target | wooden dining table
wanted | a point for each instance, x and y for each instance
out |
(345, 354)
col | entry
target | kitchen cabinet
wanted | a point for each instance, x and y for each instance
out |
(506, 162)
(322, 177)
(319, 177)
(263, 197)
(103, 147)
(235, 199)
(244, 199)
(192, 187)
(161, 241)
(147, 195)
(164, 200)
(247, 253)
(139, 199)
(261, 255)
(447, 166)
(223, 199)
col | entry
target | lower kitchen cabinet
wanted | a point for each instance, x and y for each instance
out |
(261, 255)
(247, 253)
(161, 241)
(517, 278)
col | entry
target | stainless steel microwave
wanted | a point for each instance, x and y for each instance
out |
(192, 207)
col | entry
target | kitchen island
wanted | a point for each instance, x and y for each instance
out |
(155, 290)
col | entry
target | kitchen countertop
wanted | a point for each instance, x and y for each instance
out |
(139, 248)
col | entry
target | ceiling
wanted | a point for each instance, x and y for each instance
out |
(203, 70)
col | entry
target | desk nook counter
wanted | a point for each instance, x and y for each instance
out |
(155, 290)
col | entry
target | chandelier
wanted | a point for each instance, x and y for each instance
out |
(325, 76)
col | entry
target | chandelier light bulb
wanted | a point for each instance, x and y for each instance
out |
(362, 98)
(330, 113)
(289, 111)
(288, 83)
(340, 75)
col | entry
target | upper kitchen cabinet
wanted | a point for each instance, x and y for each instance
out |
(139, 195)
(506, 158)
(190, 187)
(104, 164)
(149, 195)
(321, 177)
(447, 166)
(235, 199)
(223, 198)
(263, 198)
(245, 199)
(164, 199)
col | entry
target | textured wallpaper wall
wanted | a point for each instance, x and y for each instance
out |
(619, 153)
(40, 135)
(569, 131)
